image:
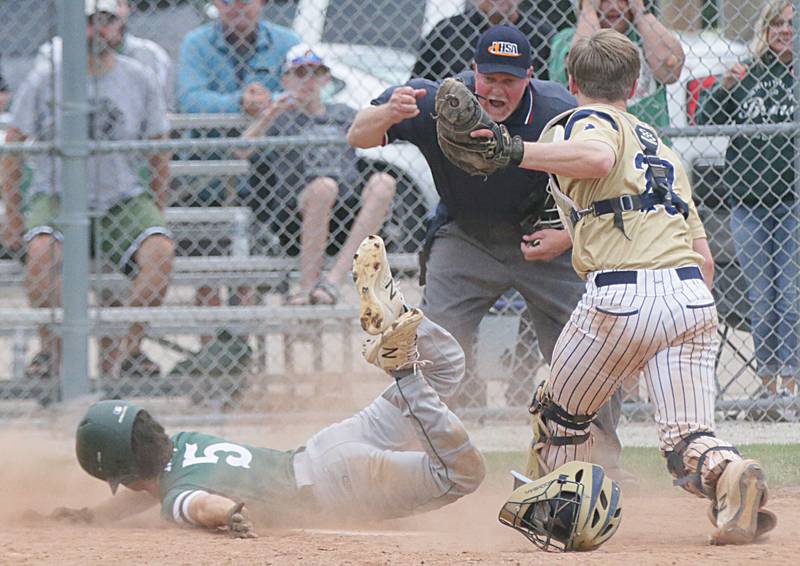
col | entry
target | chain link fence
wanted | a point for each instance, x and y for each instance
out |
(219, 271)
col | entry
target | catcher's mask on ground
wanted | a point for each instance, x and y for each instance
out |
(575, 507)
(103, 442)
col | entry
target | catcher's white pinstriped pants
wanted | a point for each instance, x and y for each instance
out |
(405, 452)
(662, 322)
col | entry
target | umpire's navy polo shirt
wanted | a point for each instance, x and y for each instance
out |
(488, 208)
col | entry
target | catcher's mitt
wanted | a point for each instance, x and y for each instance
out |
(239, 526)
(458, 114)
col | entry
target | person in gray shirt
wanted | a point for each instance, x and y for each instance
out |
(318, 188)
(147, 52)
(128, 226)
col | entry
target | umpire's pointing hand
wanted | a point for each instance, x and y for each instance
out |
(403, 103)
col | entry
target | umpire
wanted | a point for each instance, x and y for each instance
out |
(483, 240)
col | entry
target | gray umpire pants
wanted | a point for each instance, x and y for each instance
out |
(405, 453)
(466, 277)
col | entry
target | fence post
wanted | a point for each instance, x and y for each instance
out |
(72, 148)
(796, 67)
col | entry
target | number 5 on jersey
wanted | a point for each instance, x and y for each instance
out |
(238, 456)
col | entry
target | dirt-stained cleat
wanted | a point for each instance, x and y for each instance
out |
(381, 302)
(396, 348)
(738, 512)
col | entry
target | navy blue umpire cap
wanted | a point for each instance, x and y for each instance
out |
(503, 49)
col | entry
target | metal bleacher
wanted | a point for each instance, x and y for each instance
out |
(232, 224)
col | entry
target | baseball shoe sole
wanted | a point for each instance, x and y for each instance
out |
(396, 348)
(381, 302)
(738, 510)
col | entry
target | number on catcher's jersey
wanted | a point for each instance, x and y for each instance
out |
(239, 456)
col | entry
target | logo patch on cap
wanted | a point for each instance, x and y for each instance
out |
(504, 49)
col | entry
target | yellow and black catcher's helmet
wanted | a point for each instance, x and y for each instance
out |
(575, 507)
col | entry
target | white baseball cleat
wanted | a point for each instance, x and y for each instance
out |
(738, 512)
(396, 348)
(381, 302)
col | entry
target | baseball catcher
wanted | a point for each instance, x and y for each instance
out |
(404, 453)
(640, 244)
(458, 116)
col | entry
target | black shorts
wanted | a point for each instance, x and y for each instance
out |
(287, 222)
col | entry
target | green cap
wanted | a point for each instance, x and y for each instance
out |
(103, 442)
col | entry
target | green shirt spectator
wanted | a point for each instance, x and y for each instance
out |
(661, 52)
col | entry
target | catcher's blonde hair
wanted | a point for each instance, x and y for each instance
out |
(771, 10)
(604, 65)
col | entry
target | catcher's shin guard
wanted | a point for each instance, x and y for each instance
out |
(544, 415)
(692, 481)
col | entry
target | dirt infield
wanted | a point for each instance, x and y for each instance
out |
(655, 530)
(658, 527)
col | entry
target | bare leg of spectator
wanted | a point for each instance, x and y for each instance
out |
(154, 259)
(316, 202)
(376, 198)
(43, 285)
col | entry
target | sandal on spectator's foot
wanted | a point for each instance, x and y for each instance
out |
(42, 366)
(298, 298)
(324, 293)
(139, 365)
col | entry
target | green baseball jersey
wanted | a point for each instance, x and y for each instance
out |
(649, 102)
(202, 463)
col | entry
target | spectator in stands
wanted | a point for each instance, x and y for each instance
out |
(448, 48)
(318, 184)
(232, 65)
(661, 52)
(760, 172)
(128, 226)
(147, 52)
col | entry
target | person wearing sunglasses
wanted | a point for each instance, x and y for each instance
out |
(230, 65)
(318, 194)
(233, 64)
